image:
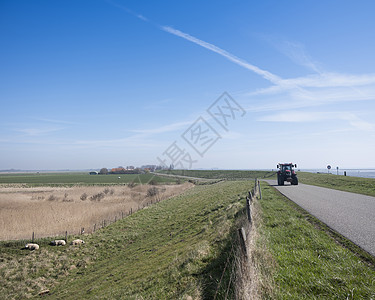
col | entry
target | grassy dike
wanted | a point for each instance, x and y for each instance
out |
(365, 186)
(222, 174)
(177, 248)
(305, 261)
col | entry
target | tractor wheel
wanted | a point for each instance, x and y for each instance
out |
(295, 181)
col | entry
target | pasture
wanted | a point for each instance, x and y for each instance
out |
(78, 178)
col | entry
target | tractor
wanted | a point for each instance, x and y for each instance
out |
(286, 173)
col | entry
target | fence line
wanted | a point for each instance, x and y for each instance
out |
(253, 195)
(239, 249)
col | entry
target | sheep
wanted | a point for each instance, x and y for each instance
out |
(58, 243)
(78, 242)
(31, 246)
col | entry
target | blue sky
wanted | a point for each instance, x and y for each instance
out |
(90, 84)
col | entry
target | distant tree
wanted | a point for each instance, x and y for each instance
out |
(103, 171)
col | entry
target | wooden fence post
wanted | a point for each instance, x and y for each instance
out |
(66, 236)
(242, 235)
(32, 239)
(260, 191)
(248, 209)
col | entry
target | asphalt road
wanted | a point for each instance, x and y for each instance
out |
(352, 215)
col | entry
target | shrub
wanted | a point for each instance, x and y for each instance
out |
(97, 197)
(109, 191)
(83, 197)
(52, 198)
(152, 192)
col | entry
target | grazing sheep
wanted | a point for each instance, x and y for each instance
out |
(58, 243)
(31, 246)
(77, 242)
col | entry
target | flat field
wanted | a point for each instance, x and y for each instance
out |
(76, 178)
(56, 203)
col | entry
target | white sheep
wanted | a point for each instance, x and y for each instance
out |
(31, 246)
(77, 242)
(58, 243)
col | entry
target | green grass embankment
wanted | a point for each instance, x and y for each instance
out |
(307, 261)
(171, 250)
(222, 174)
(365, 186)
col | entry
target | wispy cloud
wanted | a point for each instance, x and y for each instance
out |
(317, 89)
(135, 141)
(298, 54)
(315, 116)
(37, 131)
(46, 120)
(129, 11)
(158, 104)
(311, 90)
(166, 128)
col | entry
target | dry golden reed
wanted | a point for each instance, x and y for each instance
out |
(50, 211)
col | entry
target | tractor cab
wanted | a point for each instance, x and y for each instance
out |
(286, 173)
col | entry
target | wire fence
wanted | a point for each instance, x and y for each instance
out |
(239, 253)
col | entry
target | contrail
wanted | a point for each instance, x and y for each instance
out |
(265, 74)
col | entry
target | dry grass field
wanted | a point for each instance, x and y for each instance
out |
(50, 211)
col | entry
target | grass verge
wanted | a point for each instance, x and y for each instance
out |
(365, 186)
(176, 249)
(306, 261)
